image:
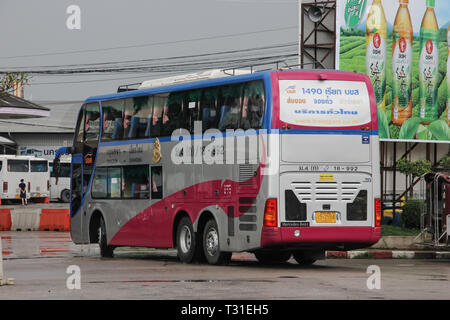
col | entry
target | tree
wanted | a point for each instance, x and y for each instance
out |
(8, 81)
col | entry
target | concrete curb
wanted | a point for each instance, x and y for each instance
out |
(388, 254)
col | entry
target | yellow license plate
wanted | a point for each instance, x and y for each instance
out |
(326, 217)
(17, 196)
(38, 194)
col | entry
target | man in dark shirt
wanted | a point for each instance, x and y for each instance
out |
(23, 192)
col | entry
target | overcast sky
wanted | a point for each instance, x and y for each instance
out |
(36, 29)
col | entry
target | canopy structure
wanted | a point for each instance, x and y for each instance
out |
(12, 107)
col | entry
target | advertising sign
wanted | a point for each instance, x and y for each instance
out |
(324, 104)
(403, 46)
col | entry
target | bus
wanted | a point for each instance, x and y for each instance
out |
(174, 166)
(34, 171)
(60, 184)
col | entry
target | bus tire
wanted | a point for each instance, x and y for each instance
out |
(106, 251)
(303, 258)
(186, 242)
(211, 245)
(272, 257)
(65, 196)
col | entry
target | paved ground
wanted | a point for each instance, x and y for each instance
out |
(38, 261)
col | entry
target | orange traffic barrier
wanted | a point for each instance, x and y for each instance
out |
(5, 219)
(55, 220)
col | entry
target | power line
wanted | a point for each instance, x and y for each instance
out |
(115, 63)
(148, 44)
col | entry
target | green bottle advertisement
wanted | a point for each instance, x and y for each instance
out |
(429, 66)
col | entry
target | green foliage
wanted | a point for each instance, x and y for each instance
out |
(445, 162)
(410, 217)
(8, 80)
(415, 168)
(395, 131)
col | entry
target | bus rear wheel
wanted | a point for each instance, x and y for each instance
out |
(211, 245)
(186, 242)
(106, 251)
(272, 257)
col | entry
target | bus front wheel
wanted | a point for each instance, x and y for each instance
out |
(211, 245)
(272, 257)
(307, 258)
(106, 251)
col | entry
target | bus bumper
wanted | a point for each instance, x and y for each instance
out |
(327, 238)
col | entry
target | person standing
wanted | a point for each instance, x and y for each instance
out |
(23, 192)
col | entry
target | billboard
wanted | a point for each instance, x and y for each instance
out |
(403, 47)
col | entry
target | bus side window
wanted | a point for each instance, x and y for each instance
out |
(100, 184)
(112, 120)
(92, 123)
(193, 109)
(142, 108)
(210, 108)
(174, 113)
(230, 110)
(253, 105)
(157, 183)
(159, 117)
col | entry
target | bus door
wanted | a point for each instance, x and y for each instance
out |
(76, 173)
(83, 160)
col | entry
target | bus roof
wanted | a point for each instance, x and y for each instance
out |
(215, 81)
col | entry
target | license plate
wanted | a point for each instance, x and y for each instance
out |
(326, 217)
(38, 194)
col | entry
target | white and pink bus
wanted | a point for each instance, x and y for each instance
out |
(277, 163)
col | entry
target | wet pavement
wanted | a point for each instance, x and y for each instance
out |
(40, 264)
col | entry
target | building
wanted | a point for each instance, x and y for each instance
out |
(41, 136)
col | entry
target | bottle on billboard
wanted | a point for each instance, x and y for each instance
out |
(429, 65)
(376, 34)
(402, 44)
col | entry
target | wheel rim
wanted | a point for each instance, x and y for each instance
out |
(212, 242)
(185, 239)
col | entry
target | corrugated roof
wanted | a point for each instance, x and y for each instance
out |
(12, 107)
(62, 119)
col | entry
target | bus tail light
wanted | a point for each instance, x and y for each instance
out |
(48, 185)
(29, 186)
(5, 186)
(377, 213)
(271, 213)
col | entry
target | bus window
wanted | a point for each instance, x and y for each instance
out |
(174, 113)
(39, 166)
(112, 120)
(79, 136)
(193, 109)
(18, 166)
(114, 183)
(210, 108)
(135, 182)
(99, 185)
(92, 123)
(253, 106)
(137, 112)
(157, 183)
(230, 110)
(159, 117)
